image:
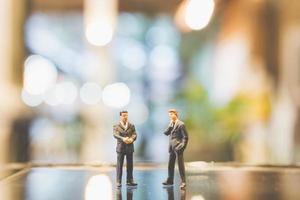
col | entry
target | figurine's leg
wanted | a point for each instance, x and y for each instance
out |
(120, 166)
(171, 165)
(129, 167)
(181, 166)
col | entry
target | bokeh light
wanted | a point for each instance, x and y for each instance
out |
(130, 25)
(40, 74)
(198, 13)
(90, 93)
(66, 92)
(163, 56)
(31, 100)
(197, 197)
(99, 34)
(51, 98)
(99, 187)
(139, 112)
(164, 63)
(116, 95)
(131, 53)
(62, 93)
(163, 33)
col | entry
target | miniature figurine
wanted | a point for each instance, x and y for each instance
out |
(178, 139)
(125, 134)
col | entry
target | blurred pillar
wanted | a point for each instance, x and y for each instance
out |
(246, 52)
(11, 54)
(265, 51)
(100, 20)
(288, 95)
(265, 54)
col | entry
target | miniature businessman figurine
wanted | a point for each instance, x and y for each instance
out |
(178, 139)
(125, 134)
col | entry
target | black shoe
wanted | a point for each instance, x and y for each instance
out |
(182, 185)
(167, 183)
(119, 184)
(131, 183)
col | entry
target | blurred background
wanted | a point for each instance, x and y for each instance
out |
(231, 68)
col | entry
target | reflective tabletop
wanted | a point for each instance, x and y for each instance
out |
(205, 181)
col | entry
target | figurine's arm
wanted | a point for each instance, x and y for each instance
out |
(185, 137)
(134, 135)
(117, 134)
(184, 134)
(168, 130)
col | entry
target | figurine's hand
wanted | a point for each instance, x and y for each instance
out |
(125, 140)
(130, 140)
(180, 146)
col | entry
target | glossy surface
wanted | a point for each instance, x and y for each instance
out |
(204, 182)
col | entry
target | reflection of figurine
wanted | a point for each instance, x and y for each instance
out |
(129, 194)
(119, 194)
(125, 134)
(182, 194)
(170, 191)
(178, 139)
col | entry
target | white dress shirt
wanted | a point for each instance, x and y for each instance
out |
(124, 125)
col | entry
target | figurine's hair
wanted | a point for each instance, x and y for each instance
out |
(173, 111)
(123, 111)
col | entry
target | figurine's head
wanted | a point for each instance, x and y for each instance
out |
(173, 114)
(124, 116)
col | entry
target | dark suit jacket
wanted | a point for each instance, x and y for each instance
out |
(120, 133)
(178, 137)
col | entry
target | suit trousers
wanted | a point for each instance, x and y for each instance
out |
(172, 157)
(129, 166)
